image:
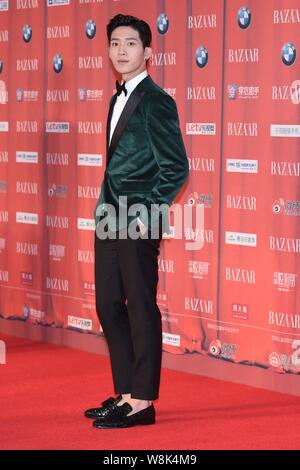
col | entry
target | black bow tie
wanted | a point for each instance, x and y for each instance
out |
(121, 88)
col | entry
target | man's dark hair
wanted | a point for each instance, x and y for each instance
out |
(126, 20)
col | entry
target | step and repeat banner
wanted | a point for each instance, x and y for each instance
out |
(233, 69)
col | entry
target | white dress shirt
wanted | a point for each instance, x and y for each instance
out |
(122, 100)
(118, 108)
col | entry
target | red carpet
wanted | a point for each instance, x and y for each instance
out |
(45, 389)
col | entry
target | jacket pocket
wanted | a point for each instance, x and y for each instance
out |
(136, 185)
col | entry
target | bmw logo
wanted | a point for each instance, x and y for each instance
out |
(27, 33)
(201, 57)
(58, 63)
(244, 17)
(288, 54)
(1, 65)
(20, 94)
(90, 29)
(26, 312)
(162, 23)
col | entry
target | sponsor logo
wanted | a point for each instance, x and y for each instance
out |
(201, 93)
(58, 63)
(2, 244)
(89, 159)
(242, 239)
(27, 65)
(285, 168)
(58, 32)
(4, 36)
(162, 23)
(3, 216)
(90, 29)
(244, 17)
(163, 58)
(27, 126)
(88, 192)
(56, 221)
(4, 276)
(26, 187)
(27, 4)
(85, 224)
(26, 278)
(245, 276)
(286, 15)
(201, 164)
(242, 92)
(284, 320)
(90, 62)
(85, 256)
(166, 265)
(242, 129)
(57, 3)
(284, 282)
(3, 126)
(201, 57)
(3, 186)
(3, 156)
(58, 127)
(59, 159)
(28, 249)
(241, 55)
(55, 283)
(27, 33)
(81, 323)
(200, 128)
(85, 94)
(287, 92)
(247, 203)
(194, 304)
(89, 127)
(57, 252)
(240, 311)
(284, 245)
(26, 95)
(26, 157)
(288, 54)
(198, 269)
(285, 130)
(58, 190)
(202, 21)
(4, 5)
(27, 218)
(280, 206)
(171, 339)
(197, 198)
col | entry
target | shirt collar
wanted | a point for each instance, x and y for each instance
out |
(133, 83)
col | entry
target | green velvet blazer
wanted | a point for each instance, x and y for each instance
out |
(146, 159)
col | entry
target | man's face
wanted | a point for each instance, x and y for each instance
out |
(127, 53)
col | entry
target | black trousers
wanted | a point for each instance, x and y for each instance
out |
(126, 277)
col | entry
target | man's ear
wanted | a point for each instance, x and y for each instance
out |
(147, 53)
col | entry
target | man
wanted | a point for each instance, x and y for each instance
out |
(146, 168)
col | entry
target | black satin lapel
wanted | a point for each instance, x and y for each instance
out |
(128, 110)
(111, 108)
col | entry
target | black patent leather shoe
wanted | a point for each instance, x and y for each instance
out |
(120, 418)
(108, 407)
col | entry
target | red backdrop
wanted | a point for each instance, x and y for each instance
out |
(233, 72)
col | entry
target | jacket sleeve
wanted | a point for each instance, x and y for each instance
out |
(167, 146)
